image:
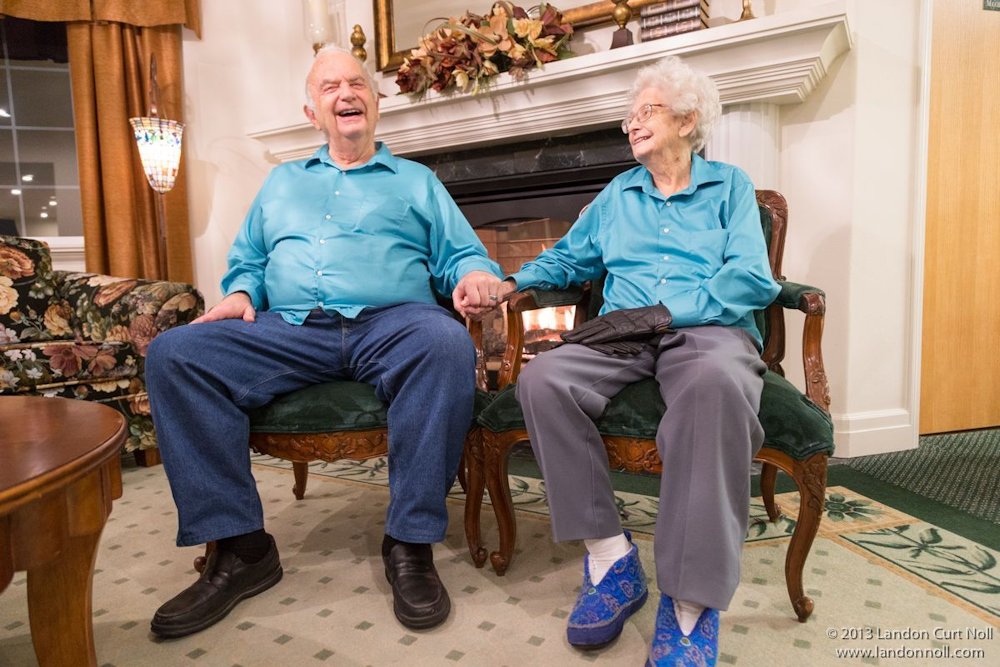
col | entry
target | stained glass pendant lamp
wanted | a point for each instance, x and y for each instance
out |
(159, 142)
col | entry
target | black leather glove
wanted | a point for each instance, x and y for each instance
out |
(626, 348)
(627, 324)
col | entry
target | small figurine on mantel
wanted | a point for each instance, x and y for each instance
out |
(621, 14)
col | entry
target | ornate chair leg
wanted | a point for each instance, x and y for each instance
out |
(462, 481)
(768, 475)
(497, 451)
(301, 471)
(810, 477)
(475, 485)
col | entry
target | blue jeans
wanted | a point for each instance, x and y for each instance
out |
(202, 379)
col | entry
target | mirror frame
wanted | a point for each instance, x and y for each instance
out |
(388, 56)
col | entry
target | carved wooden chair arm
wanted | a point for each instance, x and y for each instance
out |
(793, 296)
(534, 299)
(475, 328)
(811, 301)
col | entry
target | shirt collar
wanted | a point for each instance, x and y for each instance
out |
(702, 173)
(383, 157)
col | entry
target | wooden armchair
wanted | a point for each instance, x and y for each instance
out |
(798, 432)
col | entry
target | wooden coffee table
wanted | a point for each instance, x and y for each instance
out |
(60, 468)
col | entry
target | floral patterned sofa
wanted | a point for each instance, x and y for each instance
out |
(83, 335)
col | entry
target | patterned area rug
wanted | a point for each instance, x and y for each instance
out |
(884, 585)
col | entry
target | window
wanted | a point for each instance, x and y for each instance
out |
(39, 183)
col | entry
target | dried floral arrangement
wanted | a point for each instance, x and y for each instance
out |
(467, 51)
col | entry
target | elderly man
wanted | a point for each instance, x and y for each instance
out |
(332, 276)
(680, 241)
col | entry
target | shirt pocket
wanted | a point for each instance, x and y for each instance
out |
(707, 249)
(382, 215)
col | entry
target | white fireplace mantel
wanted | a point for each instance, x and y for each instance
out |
(773, 60)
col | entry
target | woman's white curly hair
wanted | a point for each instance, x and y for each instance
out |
(687, 89)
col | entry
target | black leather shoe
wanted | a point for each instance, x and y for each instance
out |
(225, 581)
(419, 599)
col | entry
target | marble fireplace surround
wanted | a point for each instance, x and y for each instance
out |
(758, 66)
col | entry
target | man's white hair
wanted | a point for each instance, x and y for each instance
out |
(333, 48)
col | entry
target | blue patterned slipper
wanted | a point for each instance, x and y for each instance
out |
(671, 648)
(600, 611)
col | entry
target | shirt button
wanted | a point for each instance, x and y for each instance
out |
(669, 204)
(319, 273)
(663, 281)
(319, 304)
(336, 192)
(666, 230)
(666, 258)
(322, 241)
(327, 216)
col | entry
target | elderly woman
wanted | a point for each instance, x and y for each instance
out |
(680, 241)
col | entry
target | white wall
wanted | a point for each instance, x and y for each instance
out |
(848, 168)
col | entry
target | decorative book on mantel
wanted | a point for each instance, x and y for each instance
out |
(672, 17)
(466, 52)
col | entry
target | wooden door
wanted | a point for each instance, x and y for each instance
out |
(960, 372)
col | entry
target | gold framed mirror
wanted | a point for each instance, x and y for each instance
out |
(399, 25)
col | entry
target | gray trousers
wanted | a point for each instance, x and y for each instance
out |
(710, 378)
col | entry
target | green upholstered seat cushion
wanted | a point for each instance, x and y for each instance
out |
(328, 408)
(792, 423)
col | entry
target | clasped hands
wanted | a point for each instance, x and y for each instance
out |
(479, 292)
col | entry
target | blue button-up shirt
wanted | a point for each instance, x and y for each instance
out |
(700, 251)
(320, 236)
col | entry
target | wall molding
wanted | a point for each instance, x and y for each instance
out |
(874, 432)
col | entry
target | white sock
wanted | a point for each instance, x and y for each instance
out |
(687, 614)
(604, 553)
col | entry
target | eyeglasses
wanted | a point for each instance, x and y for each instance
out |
(644, 113)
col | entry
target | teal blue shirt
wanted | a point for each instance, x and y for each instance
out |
(700, 251)
(319, 236)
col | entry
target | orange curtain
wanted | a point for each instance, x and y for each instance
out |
(110, 44)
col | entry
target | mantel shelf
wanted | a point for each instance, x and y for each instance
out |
(776, 59)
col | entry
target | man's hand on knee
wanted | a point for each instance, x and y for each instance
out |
(235, 306)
